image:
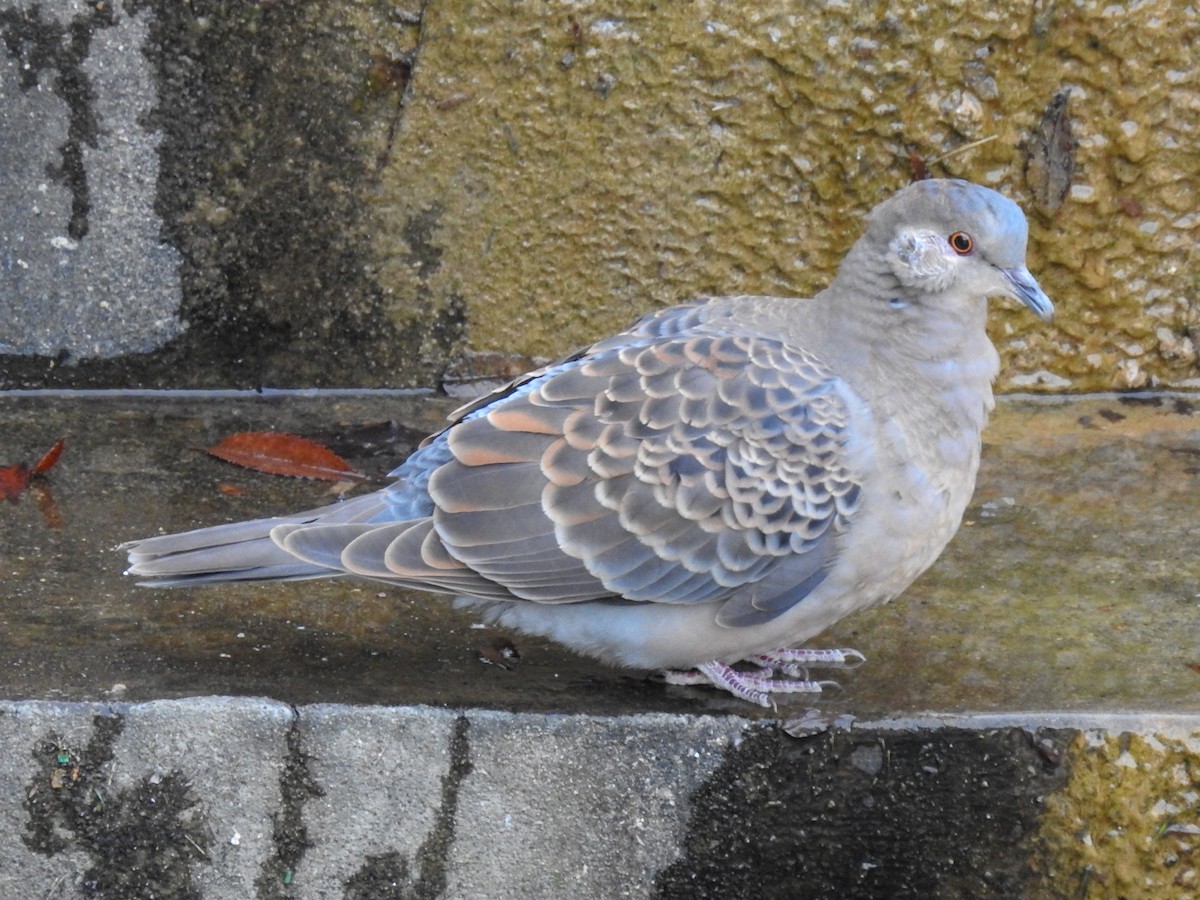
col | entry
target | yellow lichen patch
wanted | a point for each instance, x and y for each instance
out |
(574, 165)
(1127, 824)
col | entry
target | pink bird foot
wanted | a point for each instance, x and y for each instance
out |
(757, 685)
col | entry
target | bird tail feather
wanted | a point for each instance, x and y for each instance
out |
(239, 551)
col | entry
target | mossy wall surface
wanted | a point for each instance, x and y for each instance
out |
(1124, 824)
(562, 167)
(366, 192)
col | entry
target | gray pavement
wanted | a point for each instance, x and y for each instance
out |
(228, 798)
(236, 798)
(1027, 723)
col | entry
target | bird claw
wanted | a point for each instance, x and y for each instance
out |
(794, 662)
(757, 686)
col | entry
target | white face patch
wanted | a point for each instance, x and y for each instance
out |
(922, 259)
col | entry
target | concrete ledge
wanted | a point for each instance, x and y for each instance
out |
(234, 798)
(1055, 640)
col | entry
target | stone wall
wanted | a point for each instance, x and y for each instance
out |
(361, 193)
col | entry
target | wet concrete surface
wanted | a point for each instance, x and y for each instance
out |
(1074, 585)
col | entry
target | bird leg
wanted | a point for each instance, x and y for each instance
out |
(757, 686)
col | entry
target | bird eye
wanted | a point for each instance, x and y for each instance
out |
(962, 243)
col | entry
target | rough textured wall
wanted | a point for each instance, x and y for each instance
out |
(1120, 826)
(577, 163)
(366, 193)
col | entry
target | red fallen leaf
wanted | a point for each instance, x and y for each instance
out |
(49, 458)
(278, 453)
(13, 481)
(1195, 667)
(230, 490)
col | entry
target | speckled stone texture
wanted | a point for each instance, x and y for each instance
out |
(367, 196)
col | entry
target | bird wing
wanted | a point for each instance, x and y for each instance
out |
(672, 464)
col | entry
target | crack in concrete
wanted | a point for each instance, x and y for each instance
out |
(435, 849)
(297, 786)
(387, 875)
(396, 74)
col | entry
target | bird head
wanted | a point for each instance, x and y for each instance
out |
(945, 237)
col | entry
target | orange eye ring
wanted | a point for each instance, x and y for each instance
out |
(962, 243)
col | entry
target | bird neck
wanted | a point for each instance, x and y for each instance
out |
(917, 356)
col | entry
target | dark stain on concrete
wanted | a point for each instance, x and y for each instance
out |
(142, 842)
(43, 45)
(382, 877)
(289, 833)
(424, 252)
(434, 852)
(388, 875)
(447, 335)
(868, 814)
(262, 161)
(268, 156)
(446, 321)
(392, 75)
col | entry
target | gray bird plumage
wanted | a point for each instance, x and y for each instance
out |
(718, 483)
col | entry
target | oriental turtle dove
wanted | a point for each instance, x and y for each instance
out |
(713, 486)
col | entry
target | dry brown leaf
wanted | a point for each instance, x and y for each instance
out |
(46, 505)
(49, 458)
(13, 481)
(279, 453)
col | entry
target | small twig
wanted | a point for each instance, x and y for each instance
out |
(54, 887)
(963, 149)
(203, 853)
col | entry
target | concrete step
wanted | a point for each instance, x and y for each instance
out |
(1027, 724)
(238, 797)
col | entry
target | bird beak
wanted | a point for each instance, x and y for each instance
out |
(1024, 287)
